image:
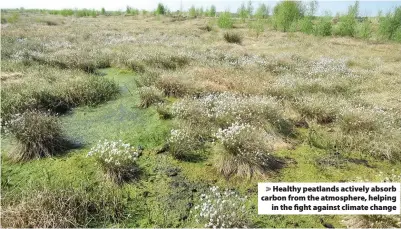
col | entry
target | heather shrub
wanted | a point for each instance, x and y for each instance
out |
(221, 209)
(117, 160)
(150, 95)
(232, 38)
(246, 151)
(36, 135)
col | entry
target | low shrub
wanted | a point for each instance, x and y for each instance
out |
(117, 159)
(258, 26)
(364, 29)
(347, 24)
(246, 151)
(36, 135)
(150, 95)
(225, 21)
(306, 25)
(323, 28)
(221, 209)
(232, 38)
(390, 25)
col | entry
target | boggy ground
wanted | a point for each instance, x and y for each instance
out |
(327, 109)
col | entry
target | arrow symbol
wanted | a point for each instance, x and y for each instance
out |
(268, 189)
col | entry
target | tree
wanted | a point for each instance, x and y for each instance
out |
(312, 8)
(249, 9)
(161, 9)
(285, 13)
(103, 11)
(242, 12)
(192, 11)
(212, 12)
(262, 12)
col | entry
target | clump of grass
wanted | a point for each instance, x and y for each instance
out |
(135, 65)
(117, 160)
(324, 109)
(246, 151)
(173, 86)
(164, 111)
(217, 207)
(206, 28)
(172, 62)
(232, 37)
(50, 22)
(150, 95)
(183, 143)
(64, 207)
(225, 21)
(36, 135)
(147, 79)
(91, 90)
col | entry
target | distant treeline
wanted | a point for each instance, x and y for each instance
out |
(286, 16)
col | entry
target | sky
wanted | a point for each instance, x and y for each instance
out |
(367, 8)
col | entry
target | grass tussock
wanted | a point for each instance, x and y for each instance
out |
(36, 135)
(232, 38)
(150, 95)
(117, 159)
(64, 207)
(73, 90)
(246, 151)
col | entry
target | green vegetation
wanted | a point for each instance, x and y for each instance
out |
(36, 135)
(225, 21)
(390, 25)
(133, 121)
(161, 9)
(232, 38)
(285, 13)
